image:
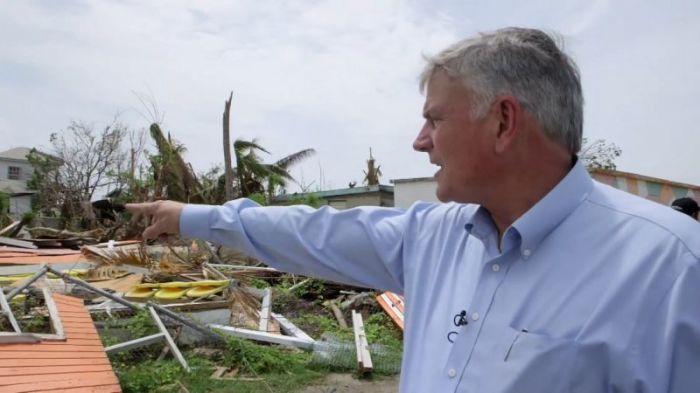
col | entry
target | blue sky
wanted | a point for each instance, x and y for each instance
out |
(338, 76)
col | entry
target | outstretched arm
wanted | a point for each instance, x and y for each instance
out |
(361, 246)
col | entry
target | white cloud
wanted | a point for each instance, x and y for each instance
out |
(337, 76)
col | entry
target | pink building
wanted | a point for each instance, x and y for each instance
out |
(657, 190)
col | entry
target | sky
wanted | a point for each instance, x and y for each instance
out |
(337, 76)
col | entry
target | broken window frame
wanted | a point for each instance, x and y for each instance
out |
(54, 319)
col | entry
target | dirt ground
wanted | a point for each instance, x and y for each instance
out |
(346, 383)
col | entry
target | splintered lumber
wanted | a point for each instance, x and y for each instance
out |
(337, 313)
(393, 305)
(290, 329)
(364, 360)
(265, 310)
(243, 267)
(263, 336)
(9, 228)
(299, 285)
(8, 241)
(354, 300)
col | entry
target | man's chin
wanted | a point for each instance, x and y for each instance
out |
(443, 195)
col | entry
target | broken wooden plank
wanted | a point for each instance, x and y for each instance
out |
(8, 241)
(364, 360)
(263, 336)
(54, 317)
(290, 329)
(214, 272)
(5, 308)
(337, 313)
(354, 300)
(8, 229)
(393, 305)
(299, 284)
(171, 343)
(19, 338)
(265, 310)
(243, 267)
(139, 342)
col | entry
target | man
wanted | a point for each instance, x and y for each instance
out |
(534, 278)
(686, 206)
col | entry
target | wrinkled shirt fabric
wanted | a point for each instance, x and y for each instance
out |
(591, 290)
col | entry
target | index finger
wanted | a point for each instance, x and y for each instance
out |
(139, 209)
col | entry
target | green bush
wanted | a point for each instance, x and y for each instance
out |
(149, 376)
(255, 359)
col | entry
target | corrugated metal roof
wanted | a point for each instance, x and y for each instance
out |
(78, 364)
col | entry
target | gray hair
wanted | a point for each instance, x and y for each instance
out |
(525, 63)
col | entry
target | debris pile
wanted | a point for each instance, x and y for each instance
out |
(152, 301)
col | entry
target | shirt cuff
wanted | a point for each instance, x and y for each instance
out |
(195, 221)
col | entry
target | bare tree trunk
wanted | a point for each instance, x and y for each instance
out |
(228, 171)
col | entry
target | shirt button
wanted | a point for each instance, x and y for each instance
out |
(451, 373)
(475, 316)
(495, 267)
(526, 252)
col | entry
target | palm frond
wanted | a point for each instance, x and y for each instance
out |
(294, 158)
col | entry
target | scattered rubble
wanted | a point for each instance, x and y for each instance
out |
(191, 293)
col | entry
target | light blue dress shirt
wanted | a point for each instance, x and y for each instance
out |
(593, 290)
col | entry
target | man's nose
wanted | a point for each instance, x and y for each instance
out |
(423, 143)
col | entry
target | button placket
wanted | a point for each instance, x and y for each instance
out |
(465, 342)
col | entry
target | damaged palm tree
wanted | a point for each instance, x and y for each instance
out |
(373, 172)
(174, 178)
(280, 175)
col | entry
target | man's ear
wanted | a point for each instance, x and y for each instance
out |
(508, 114)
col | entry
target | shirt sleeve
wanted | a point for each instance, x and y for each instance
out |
(360, 246)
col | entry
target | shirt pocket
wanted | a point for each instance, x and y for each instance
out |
(533, 362)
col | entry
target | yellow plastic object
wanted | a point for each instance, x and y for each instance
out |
(14, 278)
(18, 299)
(155, 285)
(204, 290)
(170, 293)
(138, 292)
(190, 284)
(77, 273)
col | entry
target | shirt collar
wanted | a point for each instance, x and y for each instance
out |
(480, 224)
(551, 210)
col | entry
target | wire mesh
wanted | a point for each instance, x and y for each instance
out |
(339, 354)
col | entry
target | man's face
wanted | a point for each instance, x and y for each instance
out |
(460, 146)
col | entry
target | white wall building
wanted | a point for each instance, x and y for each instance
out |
(15, 170)
(409, 191)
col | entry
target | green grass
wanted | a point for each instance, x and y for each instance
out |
(280, 370)
(166, 376)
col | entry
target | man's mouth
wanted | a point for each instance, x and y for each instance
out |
(438, 171)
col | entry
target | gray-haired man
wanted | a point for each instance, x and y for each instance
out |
(533, 277)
